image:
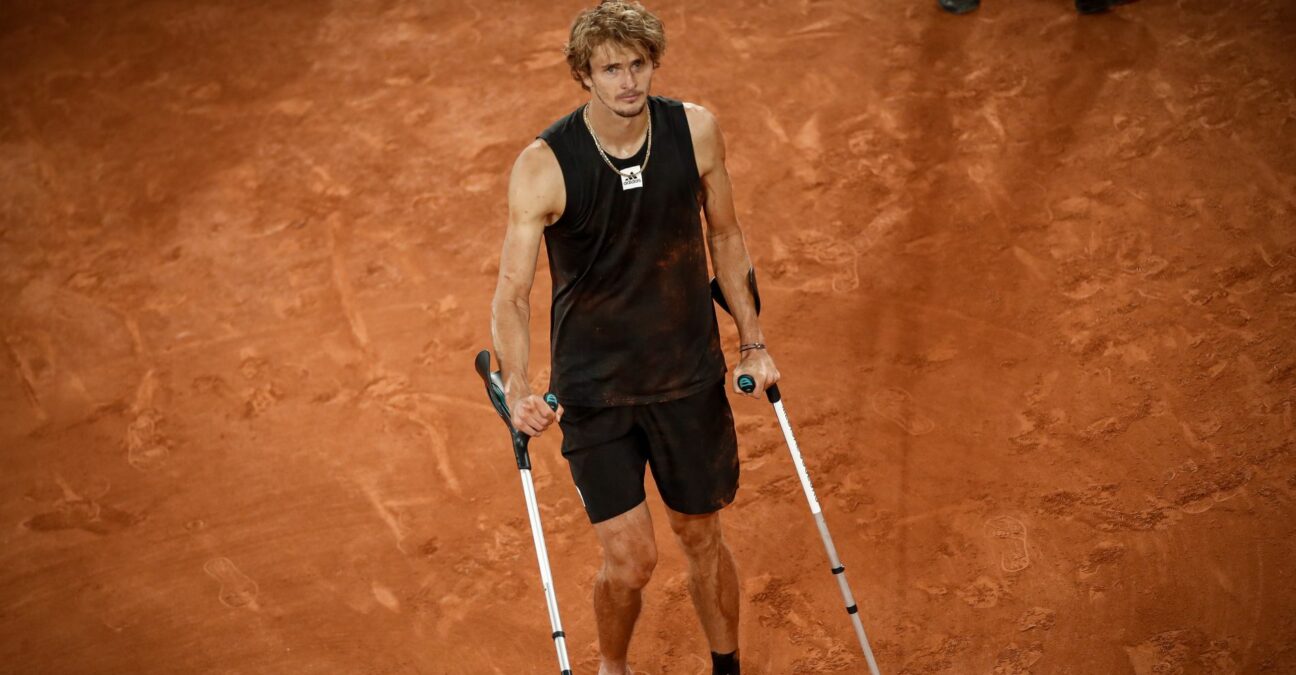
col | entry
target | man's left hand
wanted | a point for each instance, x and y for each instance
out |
(760, 366)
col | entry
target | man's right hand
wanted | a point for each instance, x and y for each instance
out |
(531, 415)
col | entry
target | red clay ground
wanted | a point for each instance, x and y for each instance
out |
(1030, 278)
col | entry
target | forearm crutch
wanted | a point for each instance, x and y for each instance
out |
(495, 390)
(747, 384)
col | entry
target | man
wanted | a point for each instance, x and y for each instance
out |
(614, 189)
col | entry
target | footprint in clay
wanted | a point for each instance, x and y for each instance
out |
(1009, 535)
(146, 446)
(898, 405)
(237, 590)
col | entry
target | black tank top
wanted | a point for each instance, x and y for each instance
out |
(632, 320)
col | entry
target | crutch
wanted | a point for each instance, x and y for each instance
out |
(495, 390)
(748, 384)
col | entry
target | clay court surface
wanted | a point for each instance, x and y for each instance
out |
(1030, 279)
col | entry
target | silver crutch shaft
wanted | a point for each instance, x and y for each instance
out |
(495, 392)
(546, 577)
(746, 383)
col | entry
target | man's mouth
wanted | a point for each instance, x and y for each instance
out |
(628, 97)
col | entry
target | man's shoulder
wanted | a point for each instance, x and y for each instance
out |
(536, 183)
(535, 160)
(702, 123)
(698, 112)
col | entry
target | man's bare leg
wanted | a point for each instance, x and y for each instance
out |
(713, 577)
(629, 555)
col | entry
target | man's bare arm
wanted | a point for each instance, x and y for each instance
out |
(536, 196)
(728, 249)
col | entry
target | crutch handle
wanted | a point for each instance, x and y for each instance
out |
(747, 383)
(495, 392)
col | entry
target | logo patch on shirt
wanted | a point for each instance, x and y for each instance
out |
(631, 178)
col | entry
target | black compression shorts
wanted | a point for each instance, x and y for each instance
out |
(689, 444)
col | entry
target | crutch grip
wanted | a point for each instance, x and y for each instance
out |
(747, 383)
(520, 440)
(495, 392)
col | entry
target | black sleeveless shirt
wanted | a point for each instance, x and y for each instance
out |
(632, 320)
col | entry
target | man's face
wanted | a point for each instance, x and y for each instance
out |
(620, 77)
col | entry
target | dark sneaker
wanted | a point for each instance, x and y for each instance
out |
(1093, 6)
(958, 6)
(725, 664)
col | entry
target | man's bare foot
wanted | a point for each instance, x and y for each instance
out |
(605, 670)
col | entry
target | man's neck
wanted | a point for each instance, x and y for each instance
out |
(620, 136)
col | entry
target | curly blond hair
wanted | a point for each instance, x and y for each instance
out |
(616, 21)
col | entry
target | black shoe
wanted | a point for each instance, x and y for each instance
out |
(958, 6)
(1093, 6)
(725, 664)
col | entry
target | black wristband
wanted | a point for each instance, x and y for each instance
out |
(750, 346)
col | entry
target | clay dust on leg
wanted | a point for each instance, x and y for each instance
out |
(1009, 535)
(237, 590)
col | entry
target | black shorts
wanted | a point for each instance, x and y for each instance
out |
(689, 443)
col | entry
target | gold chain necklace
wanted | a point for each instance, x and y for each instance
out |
(648, 140)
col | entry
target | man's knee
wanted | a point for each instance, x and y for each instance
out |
(632, 566)
(698, 535)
